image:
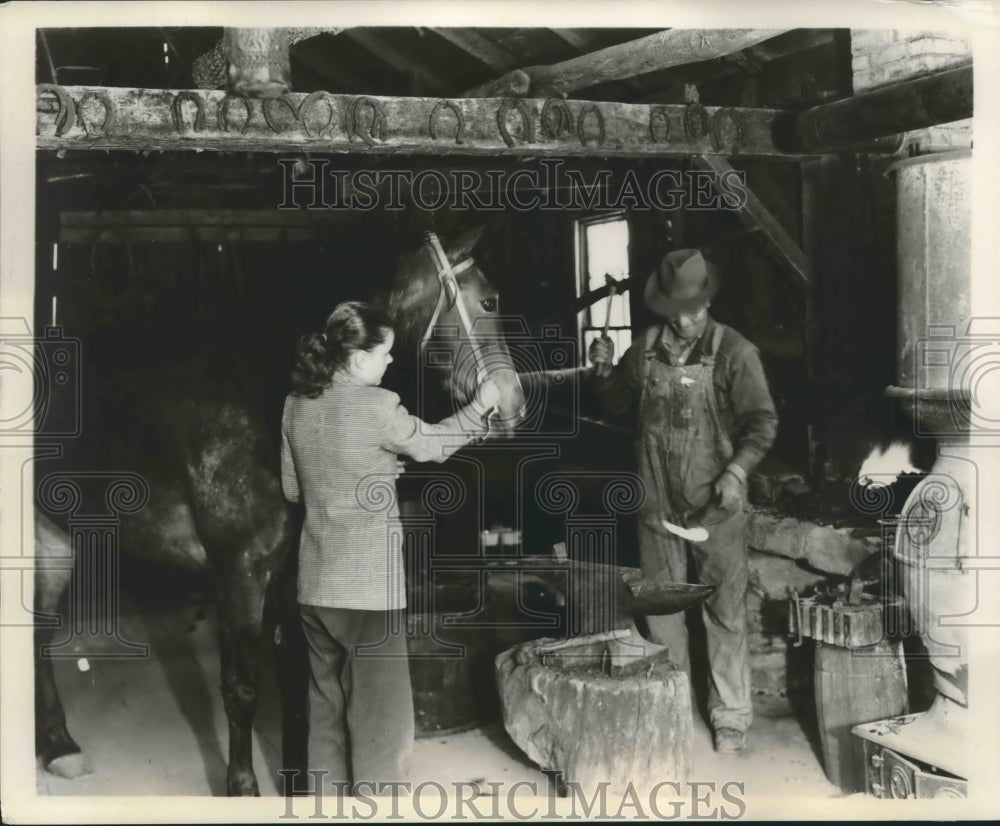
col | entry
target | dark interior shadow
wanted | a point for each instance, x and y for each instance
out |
(171, 603)
(196, 695)
(801, 688)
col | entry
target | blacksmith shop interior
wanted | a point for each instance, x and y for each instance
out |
(773, 225)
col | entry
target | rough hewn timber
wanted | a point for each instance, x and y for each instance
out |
(572, 708)
(822, 547)
(944, 96)
(78, 117)
(753, 213)
(674, 47)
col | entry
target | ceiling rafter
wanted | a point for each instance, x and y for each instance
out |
(585, 42)
(479, 47)
(385, 51)
(309, 53)
(662, 50)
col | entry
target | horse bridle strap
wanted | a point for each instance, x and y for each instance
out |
(446, 273)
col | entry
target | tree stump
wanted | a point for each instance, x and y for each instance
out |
(579, 707)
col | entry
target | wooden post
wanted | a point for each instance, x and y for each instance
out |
(258, 62)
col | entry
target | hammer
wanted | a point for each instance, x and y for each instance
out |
(612, 285)
(612, 292)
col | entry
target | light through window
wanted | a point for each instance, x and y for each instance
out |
(602, 251)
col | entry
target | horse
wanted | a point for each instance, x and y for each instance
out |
(202, 442)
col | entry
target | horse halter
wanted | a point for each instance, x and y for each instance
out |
(449, 290)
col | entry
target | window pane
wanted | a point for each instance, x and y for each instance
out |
(620, 316)
(597, 311)
(607, 251)
(622, 340)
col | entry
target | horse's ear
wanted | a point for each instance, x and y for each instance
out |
(462, 246)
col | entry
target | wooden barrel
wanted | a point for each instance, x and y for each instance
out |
(855, 685)
(445, 660)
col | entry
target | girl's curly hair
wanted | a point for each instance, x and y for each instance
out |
(352, 326)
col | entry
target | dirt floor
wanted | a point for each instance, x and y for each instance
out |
(155, 726)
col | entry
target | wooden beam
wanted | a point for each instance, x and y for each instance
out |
(782, 46)
(673, 47)
(916, 103)
(586, 43)
(185, 225)
(481, 48)
(754, 214)
(574, 38)
(385, 51)
(79, 117)
(195, 217)
(187, 234)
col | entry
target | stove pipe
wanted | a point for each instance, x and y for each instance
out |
(935, 526)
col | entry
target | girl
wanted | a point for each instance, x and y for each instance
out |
(341, 434)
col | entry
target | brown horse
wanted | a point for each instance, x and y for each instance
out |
(201, 451)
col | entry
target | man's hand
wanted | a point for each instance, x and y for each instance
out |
(400, 467)
(729, 490)
(602, 353)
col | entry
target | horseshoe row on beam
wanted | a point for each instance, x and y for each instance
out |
(556, 118)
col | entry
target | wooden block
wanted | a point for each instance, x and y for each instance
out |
(571, 710)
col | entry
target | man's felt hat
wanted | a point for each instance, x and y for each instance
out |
(682, 283)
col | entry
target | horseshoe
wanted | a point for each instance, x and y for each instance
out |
(692, 112)
(222, 112)
(438, 108)
(378, 121)
(268, 106)
(660, 112)
(584, 111)
(105, 101)
(556, 109)
(66, 116)
(736, 119)
(529, 124)
(308, 104)
(175, 110)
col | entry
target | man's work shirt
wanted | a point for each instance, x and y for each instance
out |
(744, 402)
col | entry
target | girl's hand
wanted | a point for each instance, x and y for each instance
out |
(487, 396)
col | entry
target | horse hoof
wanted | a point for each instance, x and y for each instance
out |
(243, 788)
(69, 766)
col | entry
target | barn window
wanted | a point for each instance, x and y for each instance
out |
(602, 250)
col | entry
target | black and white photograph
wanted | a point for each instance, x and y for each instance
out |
(499, 411)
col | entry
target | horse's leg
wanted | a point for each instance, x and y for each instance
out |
(54, 567)
(241, 590)
(291, 661)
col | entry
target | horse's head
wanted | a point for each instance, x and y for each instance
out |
(446, 312)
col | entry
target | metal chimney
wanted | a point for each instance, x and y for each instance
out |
(929, 754)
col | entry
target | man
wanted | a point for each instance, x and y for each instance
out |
(705, 419)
